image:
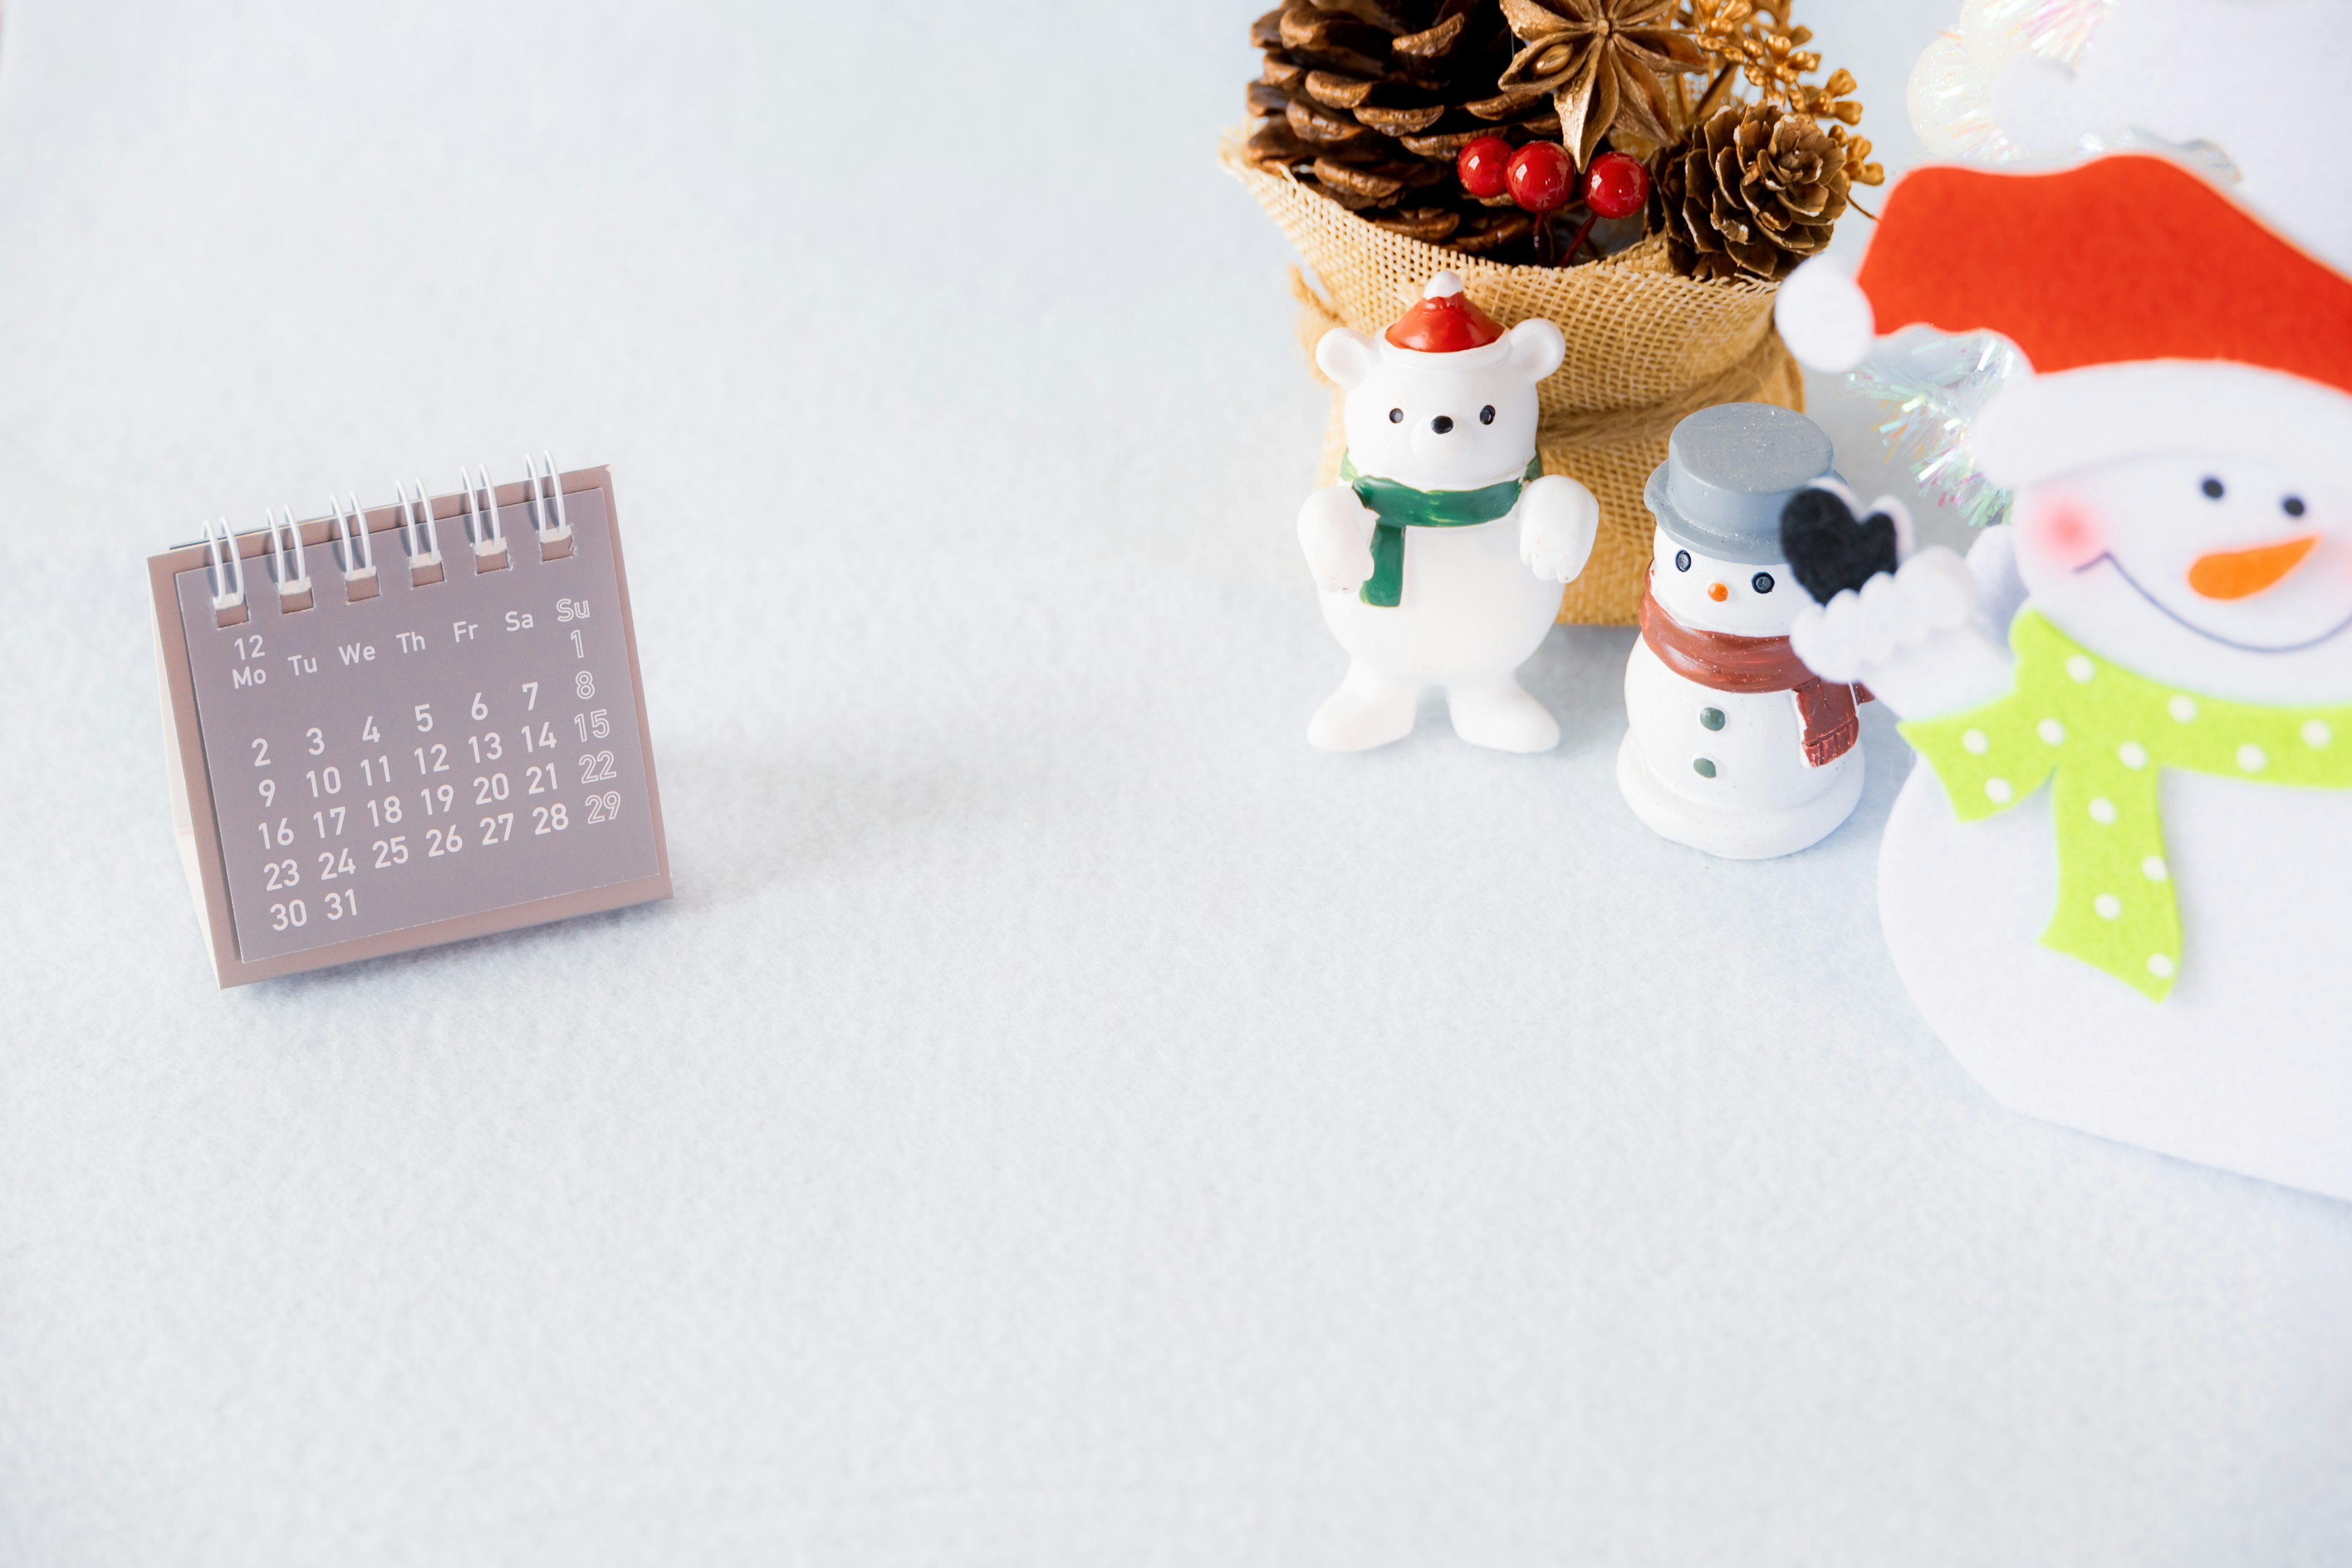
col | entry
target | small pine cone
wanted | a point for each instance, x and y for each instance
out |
(1749, 194)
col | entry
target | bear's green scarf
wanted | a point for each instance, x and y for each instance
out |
(1399, 507)
(2106, 733)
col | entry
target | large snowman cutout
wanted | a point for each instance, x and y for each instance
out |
(2118, 883)
(1440, 553)
(1732, 745)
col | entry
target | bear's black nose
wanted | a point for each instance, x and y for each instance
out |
(1441, 423)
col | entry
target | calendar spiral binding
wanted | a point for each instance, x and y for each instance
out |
(348, 539)
(223, 571)
(294, 583)
(354, 551)
(554, 540)
(421, 537)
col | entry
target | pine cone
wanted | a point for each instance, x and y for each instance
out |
(1370, 101)
(1749, 194)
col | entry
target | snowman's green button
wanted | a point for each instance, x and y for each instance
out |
(1705, 767)
(1710, 718)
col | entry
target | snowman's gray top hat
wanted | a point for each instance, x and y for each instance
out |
(1729, 472)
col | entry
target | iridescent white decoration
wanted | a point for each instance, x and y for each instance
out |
(1931, 387)
(1951, 87)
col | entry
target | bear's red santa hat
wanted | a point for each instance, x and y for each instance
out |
(1444, 320)
(2156, 313)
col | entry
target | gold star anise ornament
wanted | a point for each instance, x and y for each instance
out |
(1606, 63)
(1759, 42)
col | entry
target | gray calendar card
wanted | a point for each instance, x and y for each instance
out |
(406, 725)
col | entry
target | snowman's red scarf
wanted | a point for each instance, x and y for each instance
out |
(1721, 662)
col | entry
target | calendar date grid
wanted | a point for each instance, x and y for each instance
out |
(356, 811)
(442, 748)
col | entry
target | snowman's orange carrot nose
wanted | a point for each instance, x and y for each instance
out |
(1718, 592)
(2242, 574)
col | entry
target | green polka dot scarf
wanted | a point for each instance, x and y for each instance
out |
(2107, 733)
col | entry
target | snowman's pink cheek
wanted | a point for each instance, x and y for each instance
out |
(2063, 533)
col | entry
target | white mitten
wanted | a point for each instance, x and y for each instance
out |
(1335, 530)
(1912, 636)
(1558, 520)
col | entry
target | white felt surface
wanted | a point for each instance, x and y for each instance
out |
(1062, 1119)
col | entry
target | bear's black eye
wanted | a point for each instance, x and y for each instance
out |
(1486, 414)
(1761, 582)
(1396, 416)
(2292, 506)
(1682, 559)
(2212, 487)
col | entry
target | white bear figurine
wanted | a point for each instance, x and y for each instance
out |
(1440, 553)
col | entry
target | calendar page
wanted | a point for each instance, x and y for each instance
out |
(435, 759)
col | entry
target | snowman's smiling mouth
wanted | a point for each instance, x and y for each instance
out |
(2108, 558)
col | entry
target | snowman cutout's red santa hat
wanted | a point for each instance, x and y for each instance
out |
(2157, 314)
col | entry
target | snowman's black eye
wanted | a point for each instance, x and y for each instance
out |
(2212, 487)
(1761, 582)
(1682, 559)
(2292, 506)
(1486, 414)
(1396, 416)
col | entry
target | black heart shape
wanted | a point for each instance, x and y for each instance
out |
(1829, 549)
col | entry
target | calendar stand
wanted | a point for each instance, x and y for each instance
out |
(407, 725)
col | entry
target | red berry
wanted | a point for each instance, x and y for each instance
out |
(1483, 166)
(1541, 175)
(1616, 186)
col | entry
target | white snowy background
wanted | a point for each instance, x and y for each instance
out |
(1062, 1119)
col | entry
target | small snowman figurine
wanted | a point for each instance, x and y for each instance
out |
(2116, 882)
(1440, 553)
(1734, 746)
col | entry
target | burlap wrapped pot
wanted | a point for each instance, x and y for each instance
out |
(1644, 349)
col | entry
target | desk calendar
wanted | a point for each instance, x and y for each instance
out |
(406, 725)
